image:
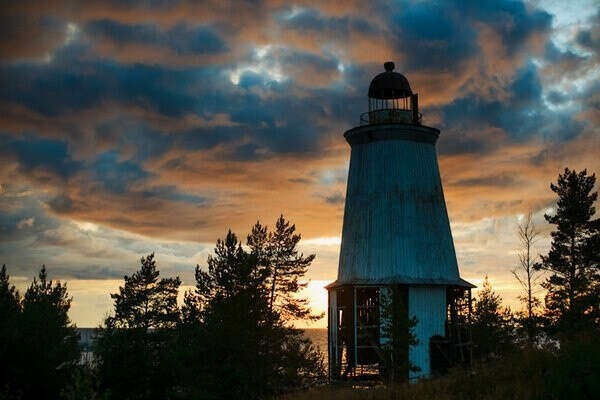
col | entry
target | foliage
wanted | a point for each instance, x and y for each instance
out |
(397, 330)
(277, 252)
(37, 337)
(571, 371)
(144, 301)
(574, 258)
(133, 350)
(10, 309)
(492, 324)
(83, 385)
(246, 350)
(49, 341)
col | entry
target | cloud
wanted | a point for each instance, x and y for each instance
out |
(30, 37)
(25, 222)
(50, 156)
(132, 127)
(501, 180)
(182, 39)
(589, 39)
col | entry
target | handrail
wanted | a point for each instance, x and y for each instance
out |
(389, 116)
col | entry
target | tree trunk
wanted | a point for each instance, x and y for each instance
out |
(273, 285)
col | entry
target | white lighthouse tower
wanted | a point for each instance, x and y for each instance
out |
(396, 236)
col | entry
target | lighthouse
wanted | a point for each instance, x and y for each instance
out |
(396, 239)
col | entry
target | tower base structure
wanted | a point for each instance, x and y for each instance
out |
(358, 342)
(396, 248)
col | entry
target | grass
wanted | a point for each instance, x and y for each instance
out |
(570, 372)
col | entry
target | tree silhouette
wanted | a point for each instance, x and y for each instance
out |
(242, 349)
(133, 349)
(525, 273)
(397, 333)
(144, 301)
(573, 260)
(49, 348)
(491, 324)
(277, 252)
(10, 309)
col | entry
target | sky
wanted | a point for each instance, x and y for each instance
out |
(131, 127)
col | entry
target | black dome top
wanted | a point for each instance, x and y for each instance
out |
(389, 84)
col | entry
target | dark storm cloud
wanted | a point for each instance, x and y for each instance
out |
(590, 38)
(281, 123)
(108, 175)
(32, 153)
(137, 126)
(307, 20)
(22, 217)
(585, 39)
(431, 36)
(25, 36)
(511, 20)
(140, 91)
(115, 175)
(336, 198)
(181, 38)
(564, 64)
(442, 35)
(554, 55)
(555, 97)
(71, 83)
(520, 116)
(498, 181)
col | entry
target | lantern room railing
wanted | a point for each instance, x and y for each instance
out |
(403, 110)
(390, 116)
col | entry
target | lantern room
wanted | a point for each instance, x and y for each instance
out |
(391, 99)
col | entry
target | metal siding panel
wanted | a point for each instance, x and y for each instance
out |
(332, 325)
(395, 218)
(428, 305)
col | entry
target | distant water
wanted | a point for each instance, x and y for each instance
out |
(319, 338)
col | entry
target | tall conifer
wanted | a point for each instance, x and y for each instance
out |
(573, 301)
(278, 252)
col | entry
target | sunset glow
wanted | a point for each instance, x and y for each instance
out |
(132, 129)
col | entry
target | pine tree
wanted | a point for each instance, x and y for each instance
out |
(49, 341)
(572, 301)
(398, 335)
(133, 349)
(144, 301)
(10, 309)
(277, 252)
(239, 347)
(491, 324)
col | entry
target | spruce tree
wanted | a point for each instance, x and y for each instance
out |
(133, 349)
(397, 334)
(10, 309)
(278, 253)
(492, 324)
(572, 302)
(145, 301)
(235, 344)
(49, 348)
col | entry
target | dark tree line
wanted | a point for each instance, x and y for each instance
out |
(573, 262)
(232, 336)
(39, 347)
(571, 272)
